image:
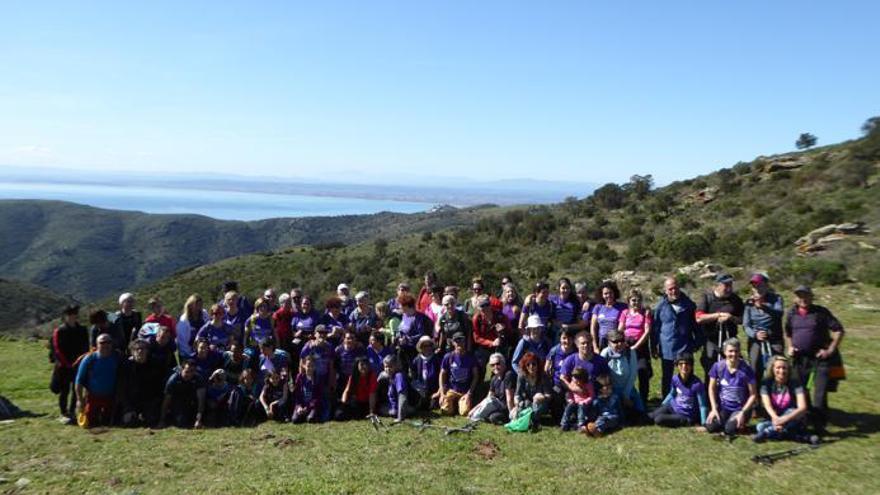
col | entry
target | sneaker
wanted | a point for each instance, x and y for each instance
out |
(759, 437)
(566, 427)
(814, 440)
(65, 420)
(593, 430)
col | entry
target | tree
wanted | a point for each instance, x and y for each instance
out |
(610, 196)
(640, 185)
(871, 126)
(806, 140)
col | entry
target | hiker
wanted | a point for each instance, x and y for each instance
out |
(235, 362)
(413, 325)
(674, 330)
(206, 359)
(70, 341)
(235, 316)
(501, 399)
(359, 396)
(218, 333)
(435, 308)
(239, 301)
(686, 402)
(346, 354)
(271, 299)
(538, 304)
(394, 302)
(785, 404)
(424, 298)
(363, 318)
(635, 323)
(100, 325)
(271, 359)
(424, 373)
(274, 396)
(126, 321)
(762, 321)
(335, 320)
(459, 376)
(533, 387)
(732, 391)
(324, 357)
(578, 401)
(191, 321)
(281, 322)
(308, 393)
(258, 327)
(217, 394)
(719, 312)
(813, 336)
(184, 403)
(583, 358)
(553, 369)
(387, 322)
(606, 314)
(343, 293)
(244, 399)
(398, 406)
(532, 341)
(566, 308)
(142, 383)
(303, 327)
(623, 365)
(96, 381)
(491, 331)
(376, 351)
(583, 294)
(160, 316)
(607, 411)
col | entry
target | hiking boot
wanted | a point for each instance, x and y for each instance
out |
(66, 420)
(593, 430)
(814, 440)
(759, 437)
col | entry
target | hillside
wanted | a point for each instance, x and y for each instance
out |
(741, 218)
(90, 253)
(32, 304)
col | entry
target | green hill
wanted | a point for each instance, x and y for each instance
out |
(745, 217)
(90, 252)
(31, 305)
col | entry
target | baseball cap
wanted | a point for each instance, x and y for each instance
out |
(723, 278)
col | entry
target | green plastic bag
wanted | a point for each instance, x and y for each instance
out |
(522, 422)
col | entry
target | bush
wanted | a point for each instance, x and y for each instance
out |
(817, 271)
(687, 247)
(870, 274)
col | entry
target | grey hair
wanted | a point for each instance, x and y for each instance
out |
(498, 357)
(731, 342)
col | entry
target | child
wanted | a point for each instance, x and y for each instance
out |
(308, 393)
(376, 351)
(686, 403)
(606, 408)
(359, 396)
(397, 406)
(243, 399)
(425, 374)
(578, 401)
(217, 400)
(273, 398)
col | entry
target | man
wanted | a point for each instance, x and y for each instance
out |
(69, 341)
(584, 358)
(674, 329)
(141, 385)
(184, 398)
(126, 321)
(490, 331)
(813, 336)
(459, 376)
(343, 292)
(762, 321)
(719, 312)
(96, 384)
(451, 322)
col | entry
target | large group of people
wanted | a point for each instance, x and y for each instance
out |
(566, 358)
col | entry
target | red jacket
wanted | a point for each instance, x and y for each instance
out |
(484, 329)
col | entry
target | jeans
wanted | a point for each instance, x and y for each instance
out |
(607, 422)
(793, 430)
(580, 412)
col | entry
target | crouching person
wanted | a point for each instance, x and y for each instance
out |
(607, 409)
(142, 386)
(398, 406)
(359, 396)
(184, 402)
(459, 376)
(309, 390)
(96, 384)
(686, 402)
(273, 398)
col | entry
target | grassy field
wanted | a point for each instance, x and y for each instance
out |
(353, 458)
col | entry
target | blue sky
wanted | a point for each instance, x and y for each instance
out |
(581, 91)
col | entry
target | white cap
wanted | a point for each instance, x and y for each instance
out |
(341, 286)
(534, 321)
(361, 295)
(283, 298)
(125, 296)
(449, 298)
(268, 292)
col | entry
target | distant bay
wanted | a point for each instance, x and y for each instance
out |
(223, 205)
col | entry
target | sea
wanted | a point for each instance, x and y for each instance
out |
(223, 205)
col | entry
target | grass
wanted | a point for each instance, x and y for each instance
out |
(353, 458)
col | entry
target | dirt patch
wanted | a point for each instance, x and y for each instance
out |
(487, 450)
(287, 442)
(267, 436)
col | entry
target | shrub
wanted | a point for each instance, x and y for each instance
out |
(817, 271)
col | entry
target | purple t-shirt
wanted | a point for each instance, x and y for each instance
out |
(260, 330)
(546, 312)
(396, 386)
(376, 357)
(595, 366)
(345, 359)
(460, 370)
(556, 356)
(216, 336)
(567, 312)
(687, 395)
(607, 317)
(236, 324)
(733, 388)
(512, 316)
(425, 372)
(323, 358)
(304, 323)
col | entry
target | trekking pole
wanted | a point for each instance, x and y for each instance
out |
(773, 457)
(766, 352)
(720, 341)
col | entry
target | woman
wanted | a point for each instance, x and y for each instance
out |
(217, 332)
(785, 402)
(435, 308)
(496, 407)
(538, 304)
(192, 319)
(413, 325)
(363, 318)
(532, 387)
(158, 315)
(512, 308)
(606, 314)
(335, 320)
(471, 304)
(567, 308)
(635, 324)
(387, 322)
(303, 326)
(258, 328)
(732, 392)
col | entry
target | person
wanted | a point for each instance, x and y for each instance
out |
(762, 321)
(533, 341)
(553, 368)
(346, 354)
(308, 393)
(538, 304)
(397, 406)
(142, 383)
(394, 303)
(334, 320)
(424, 298)
(606, 314)
(192, 319)
(126, 321)
(583, 295)
(303, 326)
(635, 323)
(163, 348)
(674, 330)
(719, 312)
(533, 388)
(236, 315)
(96, 380)
(511, 308)
(606, 409)
(812, 338)
(387, 322)
(217, 331)
(258, 327)
(363, 318)
(271, 299)
(217, 393)
(579, 402)
(583, 358)
(413, 325)
(184, 398)
(623, 363)
(471, 304)
(235, 362)
(273, 397)
(281, 322)
(359, 397)
(435, 307)
(500, 400)
(451, 322)
(206, 359)
(732, 392)
(490, 331)
(323, 360)
(346, 303)
(271, 359)
(240, 302)
(424, 372)
(459, 376)
(785, 403)
(101, 324)
(376, 351)
(686, 402)
(70, 341)
(159, 316)
(244, 399)
(566, 308)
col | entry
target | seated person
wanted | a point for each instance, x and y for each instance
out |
(184, 403)
(398, 406)
(686, 403)
(579, 401)
(785, 402)
(732, 392)
(274, 396)
(424, 371)
(359, 396)
(459, 376)
(308, 401)
(606, 409)
(143, 387)
(217, 393)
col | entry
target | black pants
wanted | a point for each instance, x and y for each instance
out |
(817, 395)
(666, 416)
(667, 367)
(709, 358)
(756, 356)
(64, 380)
(351, 410)
(725, 422)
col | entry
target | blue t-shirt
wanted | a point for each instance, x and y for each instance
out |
(733, 388)
(459, 369)
(98, 374)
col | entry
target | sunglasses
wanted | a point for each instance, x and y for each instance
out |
(615, 341)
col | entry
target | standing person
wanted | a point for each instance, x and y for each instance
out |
(567, 308)
(346, 303)
(271, 299)
(538, 304)
(323, 359)
(413, 325)
(241, 302)
(96, 384)
(363, 318)
(459, 376)
(635, 323)
(606, 314)
(813, 336)
(70, 341)
(346, 353)
(435, 308)
(470, 304)
(236, 316)
(674, 329)
(184, 399)
(216, 331)
(718, 313)
(101, 324)
(553, 368)
(424, 298)
(451, 322)
(732, 392)
(281, 322)
(491, 332)
(511, 308)
(258, 328)
(583, 295)
(387, 323)
(303, 326)
(762, 321)
(160, 316)
(192, 319)
(533, 341)
(686, 402)
(394, 302)
(142, 383)
(126, 321)
(334, 319)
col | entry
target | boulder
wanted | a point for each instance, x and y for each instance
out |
(629, 278)
(700, 269)
(786, 162)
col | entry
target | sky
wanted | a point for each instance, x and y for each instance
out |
(582, 91)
